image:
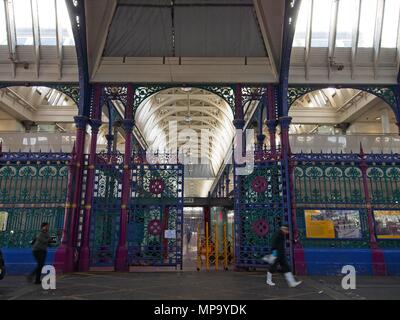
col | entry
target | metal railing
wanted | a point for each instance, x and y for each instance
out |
(372, 143)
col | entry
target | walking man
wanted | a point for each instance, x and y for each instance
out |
(39, 251)
(278, 258)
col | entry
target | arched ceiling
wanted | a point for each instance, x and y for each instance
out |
(192, 112)
(338, 107)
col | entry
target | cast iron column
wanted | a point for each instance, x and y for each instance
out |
(95, 123)
(378, 259)
(121, 263)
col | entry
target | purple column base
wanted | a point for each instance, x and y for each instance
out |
(300, 267)
(378, 263)
(121, 261)
(64, 259)
(84, 259)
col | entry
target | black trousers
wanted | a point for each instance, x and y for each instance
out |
(282, 262)
(40, 257)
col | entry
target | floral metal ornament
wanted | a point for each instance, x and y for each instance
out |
(259, 184)
(154, 227)
(157, 186)
(260, 227)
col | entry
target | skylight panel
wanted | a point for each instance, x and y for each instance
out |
(3, 28)
(23, 22)
(47, 22)
(347, 16)
(321, 23)
(367, 23)
(390, 24)
(63, 17)
(301, 24)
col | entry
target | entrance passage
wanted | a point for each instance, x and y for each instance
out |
(193, 227)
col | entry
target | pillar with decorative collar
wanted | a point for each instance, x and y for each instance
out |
(95, 123)
(121, 262)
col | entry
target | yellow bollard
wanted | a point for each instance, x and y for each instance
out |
(216, 249)
(198, 248)
(207, 249)
(225, 249)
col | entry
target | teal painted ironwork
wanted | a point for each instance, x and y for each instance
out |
(31, 193)
(384, 184)
(106, 209)
(328, 184)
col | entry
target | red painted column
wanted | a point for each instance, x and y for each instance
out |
(68, 252)
(378, 258)
(95, 123)
(121, 263)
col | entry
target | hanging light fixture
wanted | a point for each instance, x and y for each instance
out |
(188, 118)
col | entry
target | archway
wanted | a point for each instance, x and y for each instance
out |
(338, 120)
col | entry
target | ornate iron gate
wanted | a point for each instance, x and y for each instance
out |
(106, 209)
(259, 208)
(156, 215)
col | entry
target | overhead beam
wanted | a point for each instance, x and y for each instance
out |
(332, 34)
(59, 41)
(355, 37)
(99, 15)
(378, 34)
(308, 37)
(11, 36)
(36, 35)
(265, 35)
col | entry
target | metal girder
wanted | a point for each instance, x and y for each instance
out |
(291, 11)
(11, 34)
(378, 34)
(76, 10)
(332, 34)
(354, 41)
(36, 35)
(59, 41)
(265, 35)
(308, 37)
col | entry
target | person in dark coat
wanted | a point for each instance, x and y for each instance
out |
(278, 258)
(39, 250)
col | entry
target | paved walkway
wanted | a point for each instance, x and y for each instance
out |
(196, 286)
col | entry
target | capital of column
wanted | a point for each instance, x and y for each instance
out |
(95, 125)
(285, 122)
(271, 124)
(81, 122)
(109, 137)
(128, 125)
(260, 138)
(239, 123)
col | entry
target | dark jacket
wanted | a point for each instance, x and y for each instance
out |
(41, 242)
(278, 242)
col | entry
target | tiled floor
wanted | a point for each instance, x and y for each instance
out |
(197, 286)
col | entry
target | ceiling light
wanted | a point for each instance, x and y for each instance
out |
(186, 89)
(378, 118)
